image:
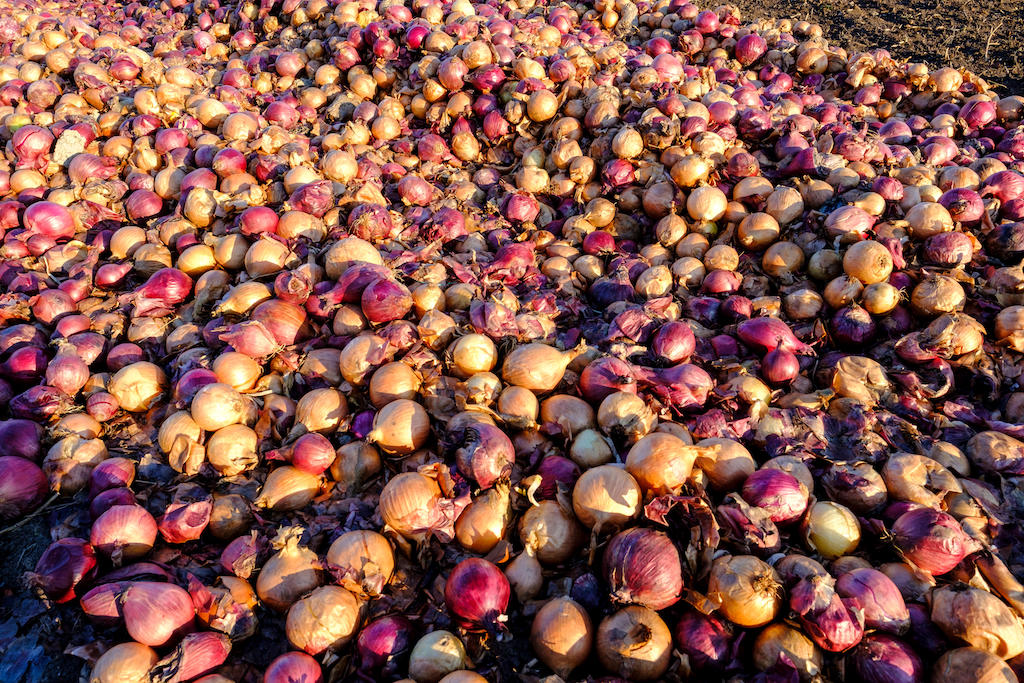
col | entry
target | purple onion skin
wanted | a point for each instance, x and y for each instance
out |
(384, 643)
(880, 658)
(880, 598)
(707, 641)
(642, 566)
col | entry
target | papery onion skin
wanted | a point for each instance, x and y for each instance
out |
(634, 643)
(562, 635)
(642, 566)
(477, 593)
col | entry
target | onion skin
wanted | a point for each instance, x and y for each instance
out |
(562, 635)
(642, 566)
(933, 540)
(635, 644)
(477, 593)
(883, 659)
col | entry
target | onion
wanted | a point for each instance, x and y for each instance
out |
(749, 590)
(537, 367)
(383, 644)
(977, 618)
(932, 540)
(362, 560)
(22, 486)
(642, 566)
(779, 493)
(880, 659)
(779, 643)
(157, 614)
(124, 663)
(124, 532)
(290, 573)
(326, 619)
(293, 666)
(971, 664)
(562, 635)
(62, 567)
(634, 643)
(831, 529)
(606, 497)
(477, 593)
(833, 624)
(436, 655)
(550, 532)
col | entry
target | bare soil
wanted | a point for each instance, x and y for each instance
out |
(983, 36)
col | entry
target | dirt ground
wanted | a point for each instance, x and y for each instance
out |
(980, 35)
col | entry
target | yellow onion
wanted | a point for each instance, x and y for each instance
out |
(525, 575)
(410, 504)
(562, 635)
(726, 462)
(124, 663)
(393, 381)
(661, 463)
(218, 405)
(137, 387)
(634, 643)
(321, 410)
(326, 619)
(288, 488)
(831, 529)
(537, 367)
(626, 416)
(231, 450)
(972, 664)
(978, 618)
(354, 465)
(749, 590)
(362, 561)
(590, 449)
(779, 639)
(606, 497)
(550, 532)
(436, 655)
(291, 572)
(237, 370)
(400, 427)
(482, 524)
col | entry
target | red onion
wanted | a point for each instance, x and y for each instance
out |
(293, 667)
(22, 486)
(642, 566)
(748, 529)
(164, 290)
(484, 453)
(127, 531)
(123, 355)
(383, 644)
(674, 341)
(883, 659)
(852, 326)
(187, 516)
(965, 206)
(251, 338)
(257, 220)
(142, 204)
(101, 406)
(780, 366)
(102, 604)
(157, 614)
(554, 470)
(31, 144)
(85, 167)
(21, 438)
(25, 365)
(831, 622)
(1004, 186)
(477, 594)
(778, 492)
(50, 304)
(240, 555)
(521, 208)
(767, 334)
(105, 500)
(681, 386)
(878, 597)
(721, 282)
(385, 300)
(313, 198)
(49, 219)
(62, 566)
(604, 377)
(67, 372)
(415, 190)
(111, 473)
(618, 173)
(40, 403)
(948, 249)
(932, 540)
(195, 655)
(707, 641)
(311, 453)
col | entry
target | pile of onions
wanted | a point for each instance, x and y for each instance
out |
(637, 327)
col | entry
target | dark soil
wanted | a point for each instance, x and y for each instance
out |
(980, 35)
